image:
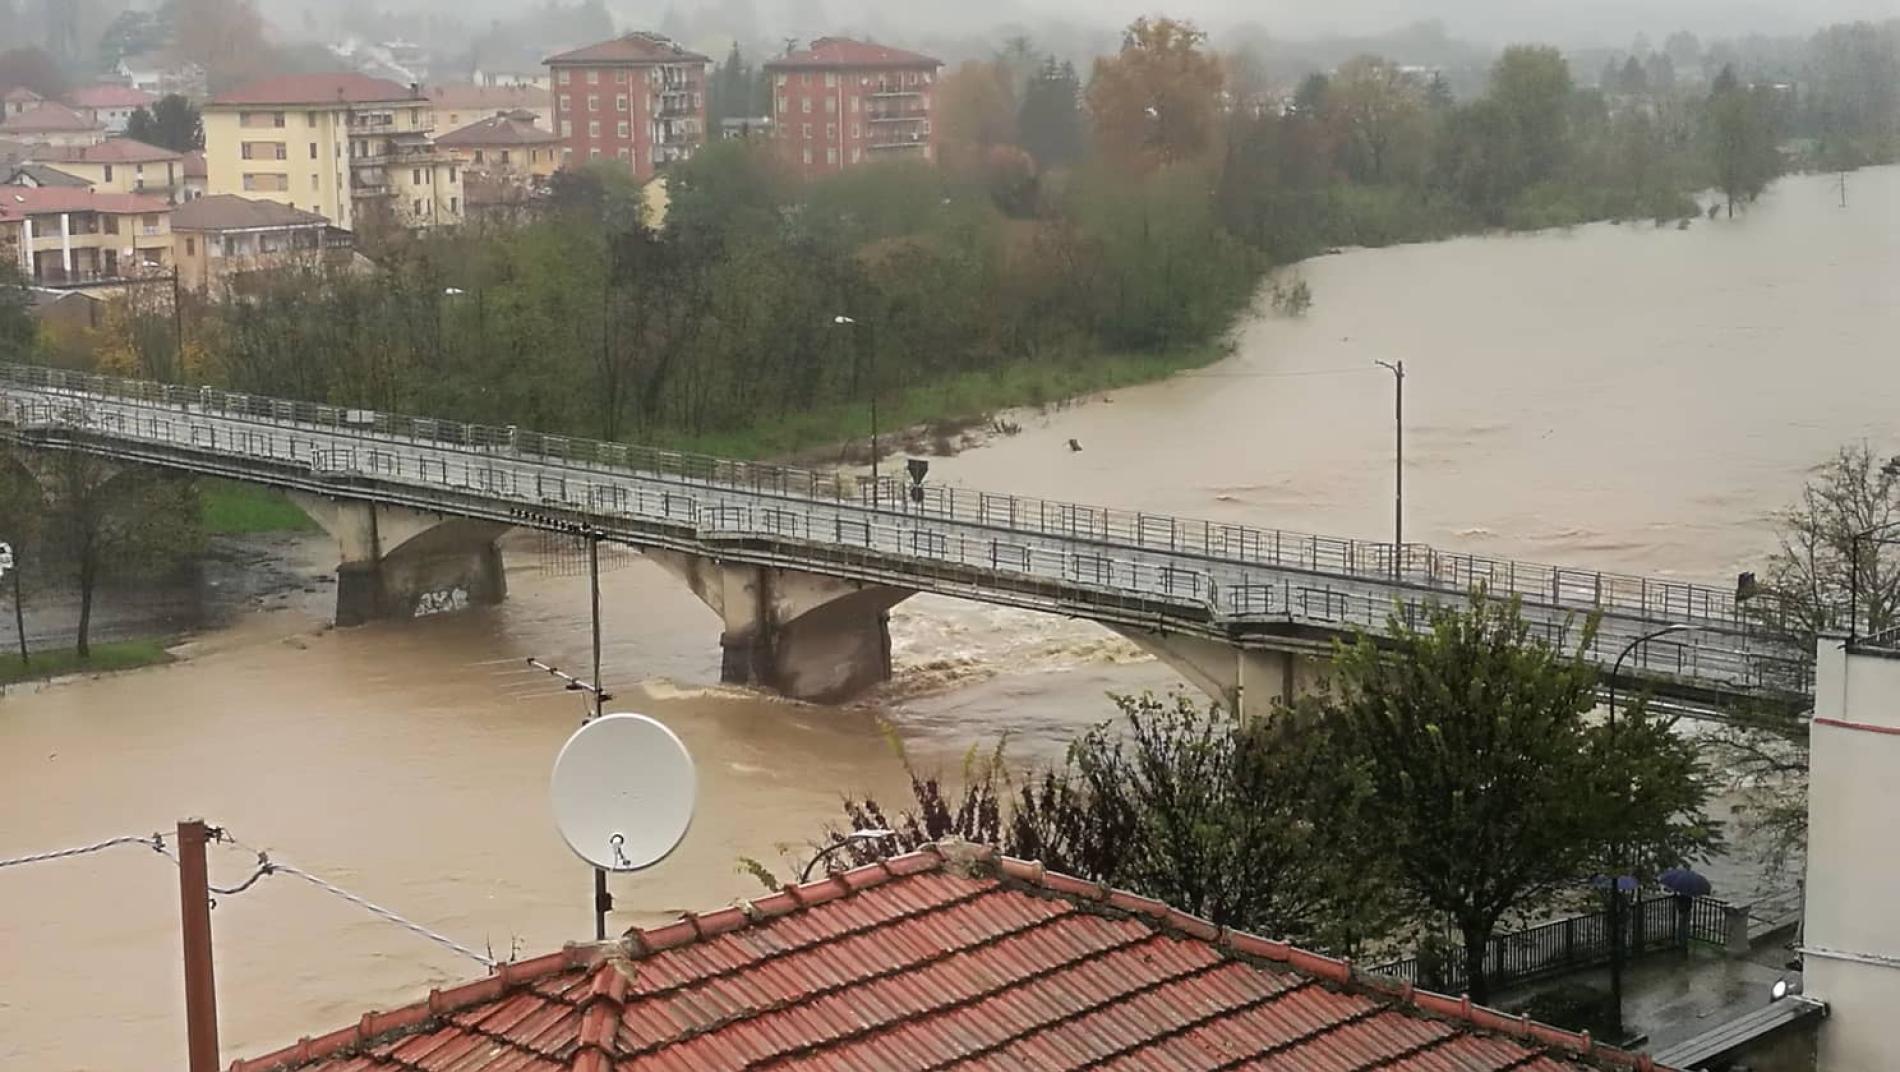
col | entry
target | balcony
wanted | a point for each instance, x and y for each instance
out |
(908, 115)
(893, 89)
(898, 140)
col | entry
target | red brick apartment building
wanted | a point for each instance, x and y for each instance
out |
(841, 103)
(638, 98)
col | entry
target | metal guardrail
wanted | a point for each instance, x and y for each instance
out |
(1207, 570)
(1652, 925)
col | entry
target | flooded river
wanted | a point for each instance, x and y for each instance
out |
(1621, 397)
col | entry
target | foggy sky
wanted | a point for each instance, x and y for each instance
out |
(1575, 23)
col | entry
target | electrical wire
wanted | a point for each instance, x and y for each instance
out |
(375, 909)
(156, 842)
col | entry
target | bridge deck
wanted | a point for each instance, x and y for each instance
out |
(1250, 586)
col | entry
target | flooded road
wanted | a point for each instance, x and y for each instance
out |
(1620, 397)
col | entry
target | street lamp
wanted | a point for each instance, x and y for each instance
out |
(1397, 369)
(852, 838)
(845, 321)
(1616, 879)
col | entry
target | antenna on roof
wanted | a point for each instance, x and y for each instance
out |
(624, 790)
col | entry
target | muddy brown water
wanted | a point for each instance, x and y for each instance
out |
(1621, 397)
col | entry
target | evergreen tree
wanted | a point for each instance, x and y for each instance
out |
(1050, 120)
(172, 122)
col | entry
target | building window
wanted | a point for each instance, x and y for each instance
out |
(804, 130)
(857, 154)
(562, 77)
(451, 172)
(415, 176)
(626, 129)
(620, 103)
(108, 168)
(856, 131)
(112, 225)
(807, 81)
(831, 132)
(805, 105)
(593, 154)
(191, 247)
(315, 180)
(831, 79)
(455, 205)
(567, 129)
(778, 80)
(310, 119)
(831, 157)
(504, 156)
(831, 106)
(313, 150)
(478, 156)
(620, 77)
(854, 105)
(264, 150)
(418, 206)
(266, 182)
(626, 153)
(784, 105)
(593, 102)
(593, 128)
(807, 154)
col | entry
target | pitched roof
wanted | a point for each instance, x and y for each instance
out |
(109, 151)
(19, 201)
(43, 175)
(497, 130)
(109, 96)
(952, 955)
(229, 212)
(21, 93)
(845, 52)
(470, 97)
(336, 87)
(194, 165)
(49, 117)
(636, 47)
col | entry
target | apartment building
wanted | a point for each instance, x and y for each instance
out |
(459, 104)
(639, 99)
(110, 106)
(510, 143)
(119, 165)
(841, 103)
(72, 236)
(220, 238)
(348, 147)
(50, 123)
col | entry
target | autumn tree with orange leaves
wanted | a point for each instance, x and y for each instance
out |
(1157, 102)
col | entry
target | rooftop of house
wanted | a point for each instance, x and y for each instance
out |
(47, 117)
(18, 202)
(497, 130)
(951, 955)
(839, 52)
(228, 212)
(109, 96)
(109, 151)
(20, 95)
(474, 98)
(306, 89)
(44, 175)
(195, 166)
(633, 48)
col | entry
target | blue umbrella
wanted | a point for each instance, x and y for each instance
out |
(1625, 883)
(1686, 882)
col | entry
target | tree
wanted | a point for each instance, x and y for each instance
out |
(107, 520)
(131, 33)
(731, 92)
(1739, 140)
(172, 122)
(1491, 788)
(32, 69)
(1156, 102)
(1819, 555)
(18, 330)
(975, 112)
(223, 37)
(1377, 111)
(1050, 120)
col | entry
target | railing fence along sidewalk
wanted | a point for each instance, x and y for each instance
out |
(1652, 924)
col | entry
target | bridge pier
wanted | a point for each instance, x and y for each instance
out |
(808, 636)
(1246, 681)
(394, 562)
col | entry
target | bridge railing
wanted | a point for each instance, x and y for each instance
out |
(1415, 565)
(1053, 569)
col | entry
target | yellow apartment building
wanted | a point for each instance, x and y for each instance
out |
(350, 148)
(71, 236)
(118, 165)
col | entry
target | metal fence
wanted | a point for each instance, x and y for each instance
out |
(1651, 925)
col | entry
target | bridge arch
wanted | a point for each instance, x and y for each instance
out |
(396, 562)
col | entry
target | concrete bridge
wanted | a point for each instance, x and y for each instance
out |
(803, 567)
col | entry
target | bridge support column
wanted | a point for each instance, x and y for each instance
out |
(394, 562)
(1246, 681)
(808, 636)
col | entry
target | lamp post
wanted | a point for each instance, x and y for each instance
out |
(1397, 369)
(845, 321)
(1616, 855)
(852, 838)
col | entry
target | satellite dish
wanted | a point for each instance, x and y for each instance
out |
(623, 791)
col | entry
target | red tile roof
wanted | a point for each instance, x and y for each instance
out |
(835, 52)
(497, 130)
(19, 201)
(630, 48)
(109, 96)
(292, 89)
(47, 117)
(950, 956)
(109, 151)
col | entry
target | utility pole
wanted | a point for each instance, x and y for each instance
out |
(1398, 463)
(603, 898)
(178, 322)
(1843, 189)
(194, 903)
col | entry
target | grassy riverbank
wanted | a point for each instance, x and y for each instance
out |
(234, 509)
(952, 403)
(105, 658)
